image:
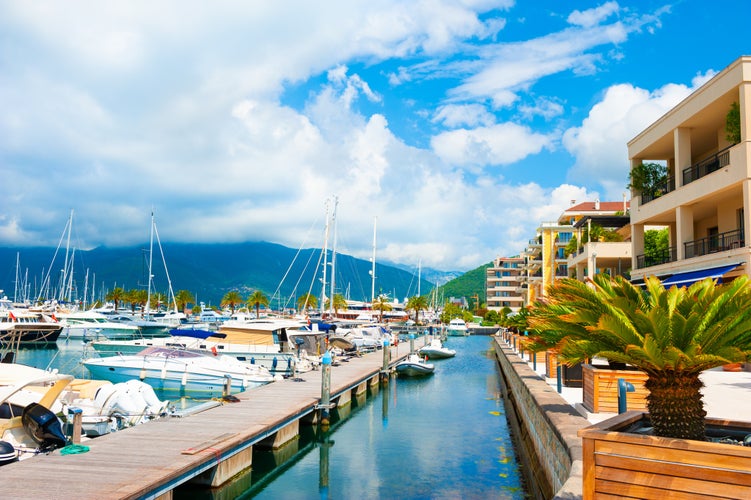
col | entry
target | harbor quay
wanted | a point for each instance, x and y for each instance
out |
(205, 448)
(547, 416)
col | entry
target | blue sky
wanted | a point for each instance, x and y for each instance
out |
(459, 125)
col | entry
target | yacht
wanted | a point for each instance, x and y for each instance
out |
(89, 325)
(457, 327)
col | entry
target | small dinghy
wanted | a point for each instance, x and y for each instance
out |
(436, 350)
(414, 366)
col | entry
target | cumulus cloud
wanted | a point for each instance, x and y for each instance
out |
(456, 115)
(499, 144)
(599, 144)
(592, 17)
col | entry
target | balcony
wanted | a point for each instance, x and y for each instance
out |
(714, 243)
(707, 166)
(658, 190)
(669, 255)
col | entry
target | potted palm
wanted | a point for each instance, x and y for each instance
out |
(672, 335)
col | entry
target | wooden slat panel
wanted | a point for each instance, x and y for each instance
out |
(701, 457)
(623, 490)
(734, 477)
(702, 483)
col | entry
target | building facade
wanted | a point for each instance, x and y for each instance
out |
(505, 286)
(705, 200)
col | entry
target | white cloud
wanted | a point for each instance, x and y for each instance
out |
(599, 144)
(592, 17)
(499, 144)
(456, 115)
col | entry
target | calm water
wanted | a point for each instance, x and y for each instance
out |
(444, 436)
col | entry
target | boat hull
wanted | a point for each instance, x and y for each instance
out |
(433, 353)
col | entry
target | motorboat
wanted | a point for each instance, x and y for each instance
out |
(108, 407)
(181, 371)
(436, 350)
(31, 400)
(24, 327)
(90, 324)
(259, 346)
(146, 327)
(414, 366)
(28, 426)
(457, 327)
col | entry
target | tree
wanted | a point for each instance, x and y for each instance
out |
(256, 300)
(307, 301)
(231, 299)
(117, 295)
(381, 304)
(417, 303)
(450, 311)
(183, 298)
(158, 299)
(131, 297)
(670, 334)
(339, 303)
(733, 124)
(648, 178)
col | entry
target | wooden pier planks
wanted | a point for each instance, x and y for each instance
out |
(142, 460)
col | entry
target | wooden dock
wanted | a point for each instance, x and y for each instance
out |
(150, 460)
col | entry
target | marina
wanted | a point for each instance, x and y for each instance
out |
(196, 449)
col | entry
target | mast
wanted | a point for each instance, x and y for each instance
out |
(15, 288)
(333, 259)
(151, 274)
(325, 251)
(373, 261)
(419, 271)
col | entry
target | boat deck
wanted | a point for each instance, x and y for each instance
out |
(152, 459)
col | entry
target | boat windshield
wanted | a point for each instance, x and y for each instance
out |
(166, 352)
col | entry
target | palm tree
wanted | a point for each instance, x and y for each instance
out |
(258, 299)
(339, 303)
(381, 304)
(117, 295)
(183, 298)
(307, 301)
(670, 334)
(417, 303)
(231, 299)
(158, 299)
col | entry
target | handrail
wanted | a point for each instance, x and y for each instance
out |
(707, 166)
(655, 259)
(714, 243)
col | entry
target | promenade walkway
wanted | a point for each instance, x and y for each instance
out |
(727, 395)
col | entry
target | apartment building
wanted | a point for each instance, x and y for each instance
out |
(705, 199)
(546, 258)
(505, 286)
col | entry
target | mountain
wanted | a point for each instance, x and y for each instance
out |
(467, 285)
(208, 271)
(426, 273)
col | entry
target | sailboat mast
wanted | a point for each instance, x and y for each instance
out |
(419, 271)
(151, 256)
(373, 260)
(333, 260)
(325, 258)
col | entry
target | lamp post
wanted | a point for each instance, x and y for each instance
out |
(594, 265)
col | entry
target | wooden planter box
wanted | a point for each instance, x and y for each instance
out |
(600, 389)
(618, 464)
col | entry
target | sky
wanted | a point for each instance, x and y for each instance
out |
(445, 131)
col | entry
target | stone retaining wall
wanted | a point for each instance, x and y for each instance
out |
(547, 426)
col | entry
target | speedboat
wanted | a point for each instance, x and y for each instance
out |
(264, 349)
(181, 371)
(91, 324)
(414, 366)
(457, 328)
(24, 327)
(436, 350)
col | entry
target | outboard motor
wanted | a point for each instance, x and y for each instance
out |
(43, 427)
(8, 454)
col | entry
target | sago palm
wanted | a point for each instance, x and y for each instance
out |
(671, 334)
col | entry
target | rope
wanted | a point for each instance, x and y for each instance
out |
(74, 449)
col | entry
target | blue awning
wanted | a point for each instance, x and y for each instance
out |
(689, 278)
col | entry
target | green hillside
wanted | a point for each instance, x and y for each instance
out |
(467, 285)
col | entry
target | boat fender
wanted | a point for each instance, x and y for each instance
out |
(274, 363)
(213, 350)
(8, 453)
(184, 381)
(164, 372)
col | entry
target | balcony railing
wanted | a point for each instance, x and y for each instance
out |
(668, 255)
(714, 243)
(658, 190)
(707, 166)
